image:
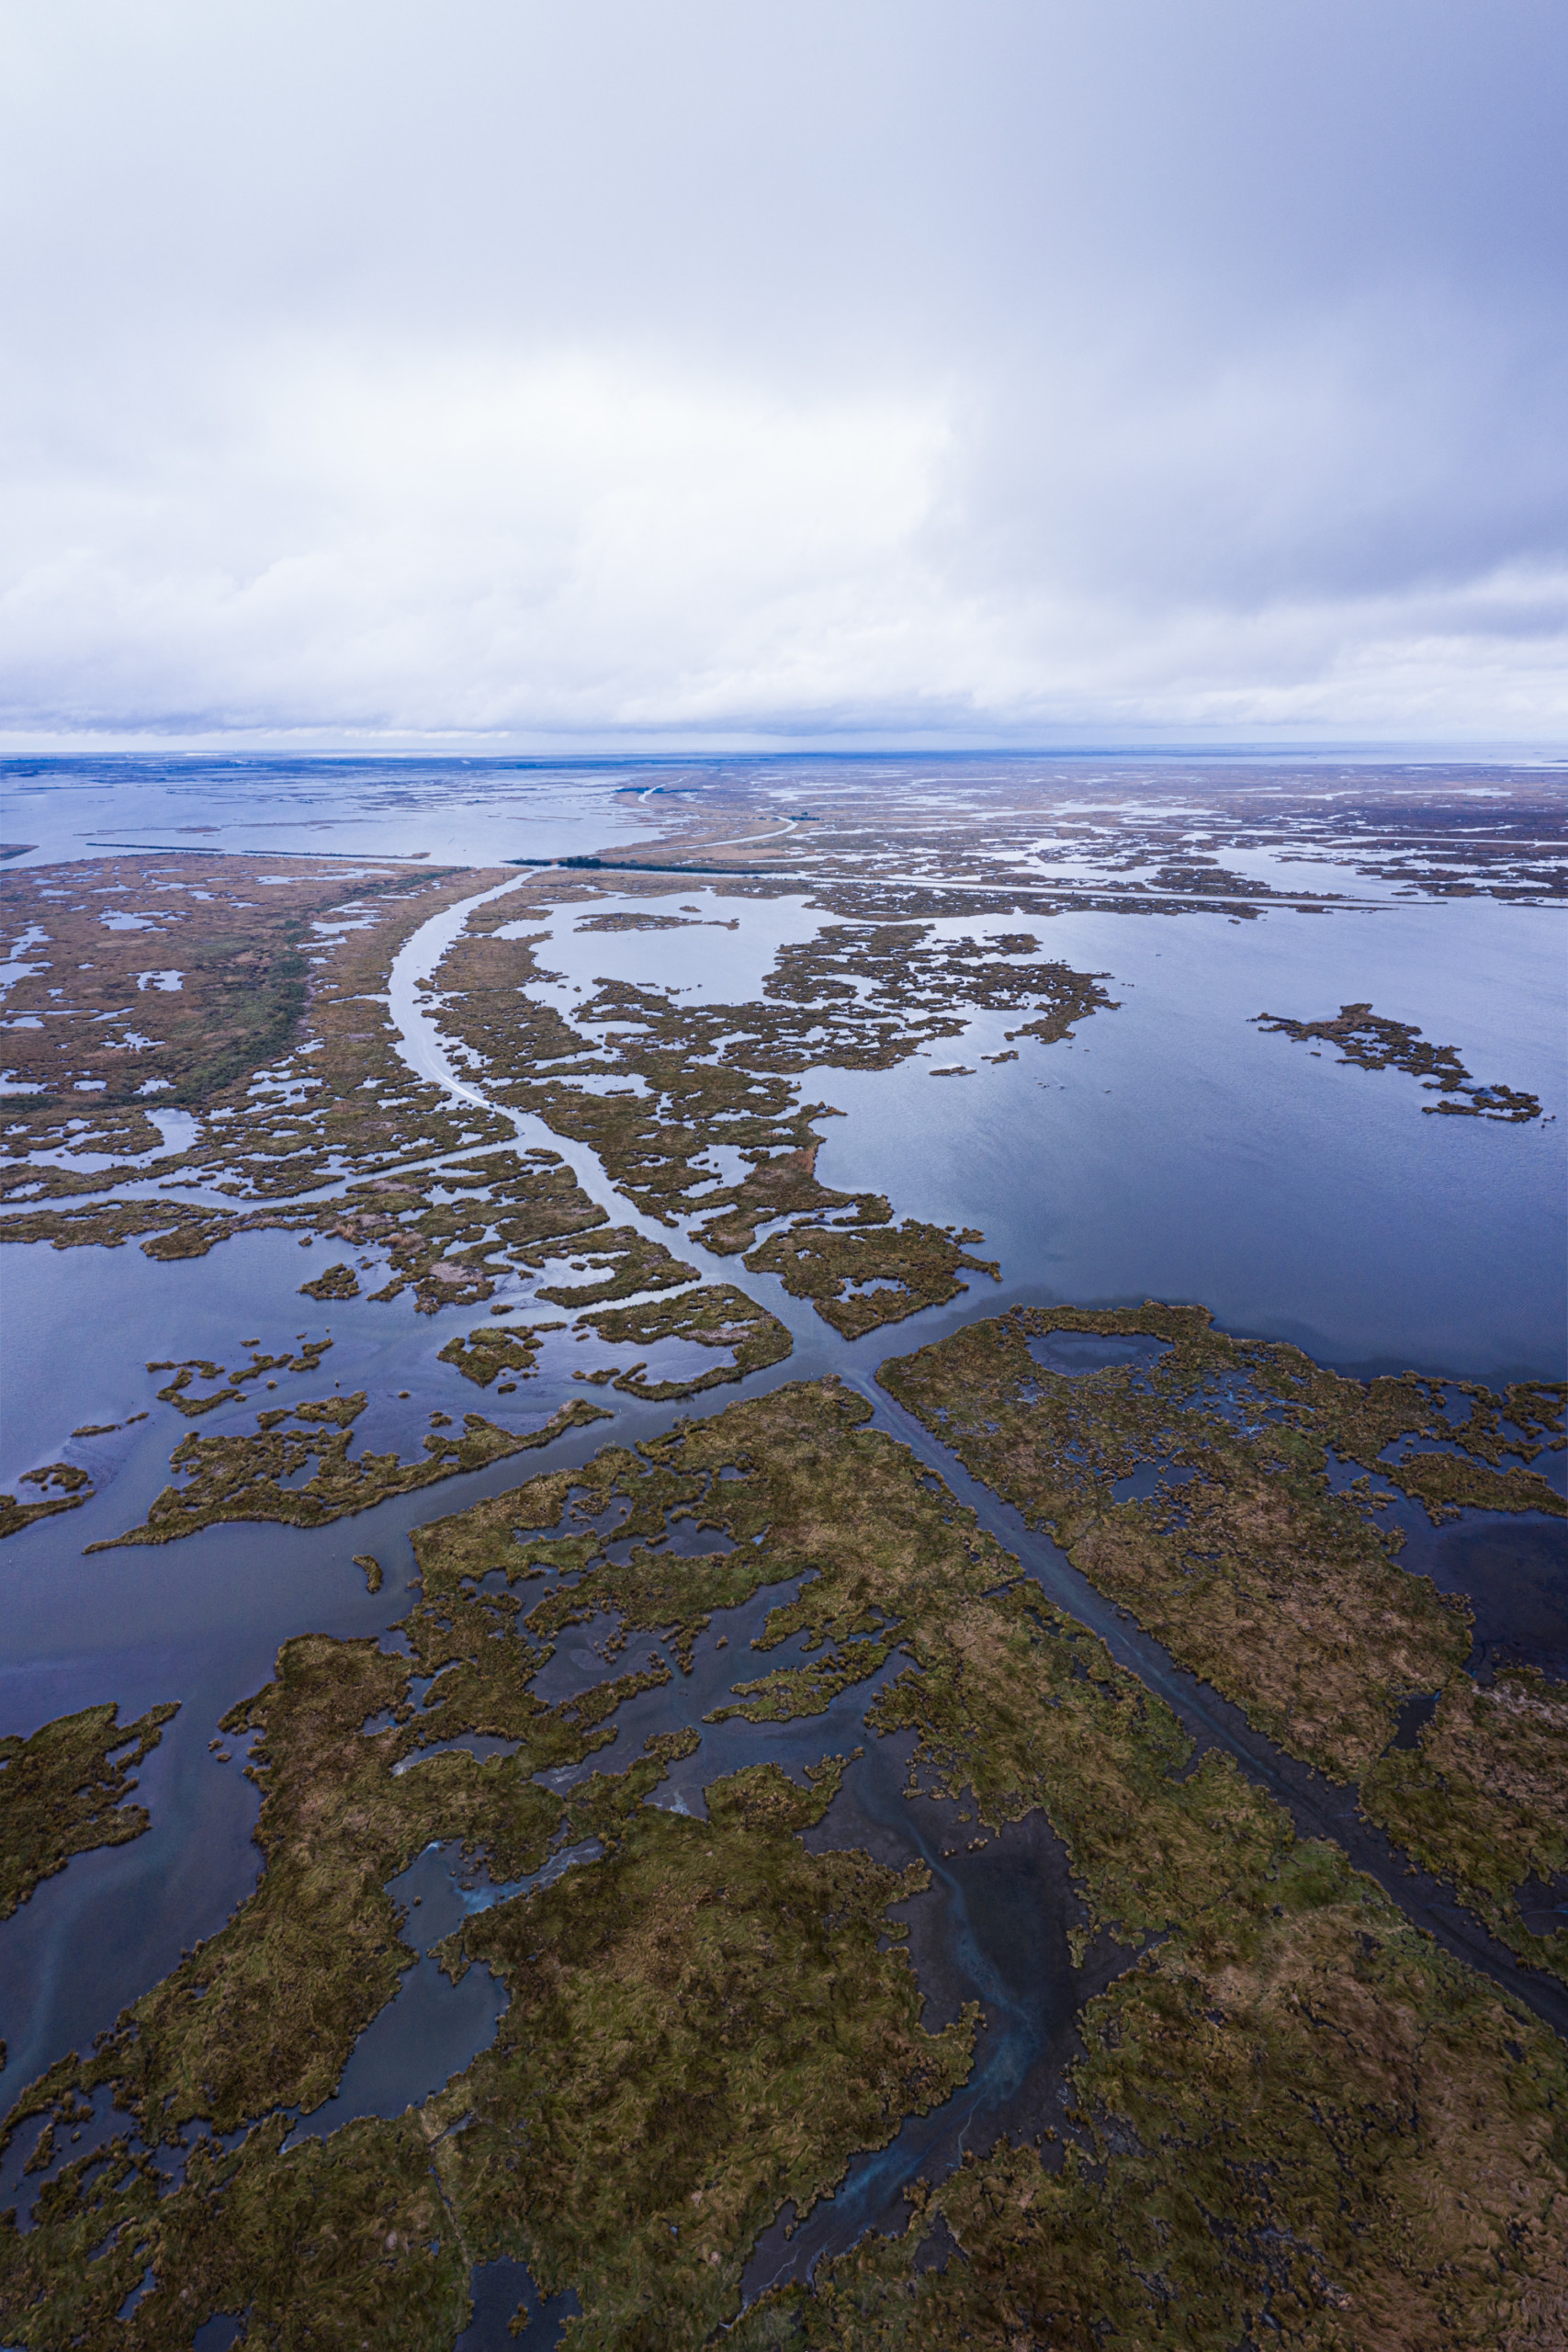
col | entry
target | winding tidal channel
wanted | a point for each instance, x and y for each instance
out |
(206, 1616)
(994, 1925)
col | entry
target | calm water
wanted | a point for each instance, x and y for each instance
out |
(1171, 1150)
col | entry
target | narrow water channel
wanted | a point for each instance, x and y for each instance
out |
(994, 1927)
(1317, 1806)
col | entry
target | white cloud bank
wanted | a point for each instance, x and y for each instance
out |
(585, 374)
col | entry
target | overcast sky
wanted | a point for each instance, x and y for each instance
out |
(636, 370)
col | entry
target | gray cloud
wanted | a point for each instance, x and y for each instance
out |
(565, 373)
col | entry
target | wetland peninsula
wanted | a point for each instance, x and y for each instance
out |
(667, 1683)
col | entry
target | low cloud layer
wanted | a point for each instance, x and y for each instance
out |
(549, 375)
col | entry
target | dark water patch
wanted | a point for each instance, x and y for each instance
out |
(792, 1744)
(90, 2141)
(443, 1888)
(579, 1521)
(143, 2287)
(1076, 1353)
(170, 2158)
(503, 2291)
(1413, 1444)
(1143, 1483)
(1551, 1466)
(1232, 1398)
(722, 1657)
(1150, 1478)
(117, 1917)
(218, 2333)
(429, 2030)
(992, 1928)
(1343, 1473)
(938, 2247)
(687, 1539)
(490, 1587)
(432, 2029)
(1414, 1714)
(20, 2182)
(1513, 1570)
(574, 1520)
(659, 1360)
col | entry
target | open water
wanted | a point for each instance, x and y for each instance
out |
(1171, 1149)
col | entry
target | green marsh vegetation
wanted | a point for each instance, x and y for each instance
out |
(1290, 2110)
(1254, 1573)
